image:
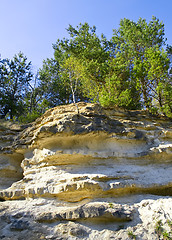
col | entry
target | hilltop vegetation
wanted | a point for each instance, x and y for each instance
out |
(132, 70)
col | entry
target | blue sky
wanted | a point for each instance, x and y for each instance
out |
(32, 26)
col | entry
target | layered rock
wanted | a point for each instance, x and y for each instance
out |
(10, 161)
(85, 176)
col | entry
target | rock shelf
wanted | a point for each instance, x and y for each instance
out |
(104, 173)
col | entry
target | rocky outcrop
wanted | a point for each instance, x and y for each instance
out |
(49, 219)
(102, 173)
(10, 161)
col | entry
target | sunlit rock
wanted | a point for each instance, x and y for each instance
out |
(100, 174)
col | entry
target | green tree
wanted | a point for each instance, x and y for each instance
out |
(119, 89)
(15, 77)
(51, 85)
(73, 72)
(142, 45)
(92, 51)
(33, 102)
(131, 71)
(157, 66)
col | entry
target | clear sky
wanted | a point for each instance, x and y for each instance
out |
(32, 26)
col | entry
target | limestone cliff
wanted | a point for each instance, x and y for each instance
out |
(100, 174)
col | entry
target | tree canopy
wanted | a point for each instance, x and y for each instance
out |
(140, 64)
(132, 70)
(15, 77)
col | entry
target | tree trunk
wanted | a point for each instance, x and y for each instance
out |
(11, 115)
(160, 99)
(73, 96)
(145, 95)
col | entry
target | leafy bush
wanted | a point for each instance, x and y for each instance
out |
(30, 117)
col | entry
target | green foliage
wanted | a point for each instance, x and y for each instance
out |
(111, 205)
(87, 48)
(131, 235)
(132, 70)
(167, 98)
(161, 232)
(72, 72)
(140, 47)
(55, 85)
(169, 223)
(166, 236)
(29, 117)
(15, 77)
(51, 85)
(158, 228)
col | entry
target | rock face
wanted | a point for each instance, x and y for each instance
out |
(10, 169)
(100, 174)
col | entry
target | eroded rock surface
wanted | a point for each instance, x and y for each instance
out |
(102, 174)
(10, 162)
